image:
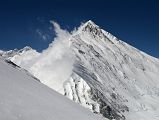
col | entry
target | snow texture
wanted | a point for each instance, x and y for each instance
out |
(97, 70)
(25, 98)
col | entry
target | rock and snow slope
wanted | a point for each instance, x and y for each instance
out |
(25, 98)
(104, 74)
(120, 77)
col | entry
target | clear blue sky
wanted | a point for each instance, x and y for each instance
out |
(22, 22)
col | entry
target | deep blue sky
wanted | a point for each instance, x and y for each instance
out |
(134, 21)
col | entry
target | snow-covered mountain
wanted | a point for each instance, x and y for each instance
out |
(25, 98)
(94, 68)
(27, 52)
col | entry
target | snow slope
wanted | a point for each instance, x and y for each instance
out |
(94, 68)
(25, 98)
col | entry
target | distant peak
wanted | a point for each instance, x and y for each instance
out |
(26, 48)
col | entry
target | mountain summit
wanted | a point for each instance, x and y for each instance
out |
(100, 72)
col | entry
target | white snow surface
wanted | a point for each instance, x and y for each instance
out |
(25, 98)
(97, 70)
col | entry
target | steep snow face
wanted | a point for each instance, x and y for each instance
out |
(25, 98)
(101, 72)
(122, 79)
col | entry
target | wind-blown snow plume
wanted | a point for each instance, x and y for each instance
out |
(56, 61)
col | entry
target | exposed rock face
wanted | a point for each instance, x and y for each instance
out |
(118, 74)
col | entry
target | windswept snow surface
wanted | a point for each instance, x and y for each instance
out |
(94, 68)
(24, 98)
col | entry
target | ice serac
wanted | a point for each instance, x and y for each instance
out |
(108, 76)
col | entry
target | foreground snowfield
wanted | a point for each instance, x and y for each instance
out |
(97, 70)
(24, 98)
